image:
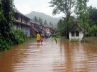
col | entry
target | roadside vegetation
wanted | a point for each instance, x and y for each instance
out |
(7, 36)
(19, 36)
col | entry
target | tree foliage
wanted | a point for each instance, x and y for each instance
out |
(81, 10)
(93, 31)
(92, 21)
(50, 23)
(20, 36)
(62, 25)
(45, 22)
(40, 20)
(93, 16)
(64, 6)
(35, 19)
(6, 22)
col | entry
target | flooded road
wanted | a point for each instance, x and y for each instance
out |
(50, 56)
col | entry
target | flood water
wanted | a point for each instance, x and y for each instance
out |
(50, 56)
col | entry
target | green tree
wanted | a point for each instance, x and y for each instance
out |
(93, 16)
(64, 6)
(62, 26)
(45, 22)
(40, 20)
(82, 13)
(93, 31)
(35, 19)
(50, 23)
(6, 23)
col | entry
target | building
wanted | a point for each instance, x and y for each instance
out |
(47, 30)
(22, 22)
(76, 32)
(33, 28)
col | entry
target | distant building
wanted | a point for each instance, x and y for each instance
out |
(47, 29)
(34, 28)
(76, 32)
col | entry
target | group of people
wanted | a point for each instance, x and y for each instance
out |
(39, 38)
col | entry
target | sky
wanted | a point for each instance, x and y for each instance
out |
(27, 6)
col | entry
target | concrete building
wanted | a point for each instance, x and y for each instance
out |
(22, 22)
(76, 32)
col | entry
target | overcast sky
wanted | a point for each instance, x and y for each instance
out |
(26, 6)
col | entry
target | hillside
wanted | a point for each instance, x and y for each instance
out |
(43, 16)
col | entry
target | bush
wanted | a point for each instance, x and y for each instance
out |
(74, 40)
(86, 40)
(4, 45)
(20, 36)
(93, 31)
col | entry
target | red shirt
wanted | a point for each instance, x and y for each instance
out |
(41, 39)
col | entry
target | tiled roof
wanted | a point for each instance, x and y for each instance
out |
(35, 29)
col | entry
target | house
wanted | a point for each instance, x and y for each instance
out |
(47, 30)
(76, 32)
(53, 30)
(22, 22)
(42, 29)
(33, 28)
(43, 32)
(50, 30)
(36, 27)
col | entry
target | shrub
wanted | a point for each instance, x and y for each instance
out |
(4, 45)
(20, 36)
(86, 40)
(74, 40)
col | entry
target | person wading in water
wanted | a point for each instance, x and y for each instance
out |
(38, 37)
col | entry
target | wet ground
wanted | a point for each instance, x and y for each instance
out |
(50, 56)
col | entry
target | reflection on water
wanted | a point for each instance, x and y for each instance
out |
(50, 56)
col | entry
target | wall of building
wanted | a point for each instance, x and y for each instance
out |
(76, 37)
(23, 23)
(32, 30)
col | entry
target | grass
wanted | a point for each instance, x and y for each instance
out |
(90, 40)
(87, 40)
(74, 40)
(84, 40)
(29, 39)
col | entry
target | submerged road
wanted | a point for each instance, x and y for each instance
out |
(51, 56)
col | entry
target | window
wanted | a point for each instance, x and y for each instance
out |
(72, 33)
(16, 16)
(77, 33)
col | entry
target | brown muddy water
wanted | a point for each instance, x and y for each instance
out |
(50, 56)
